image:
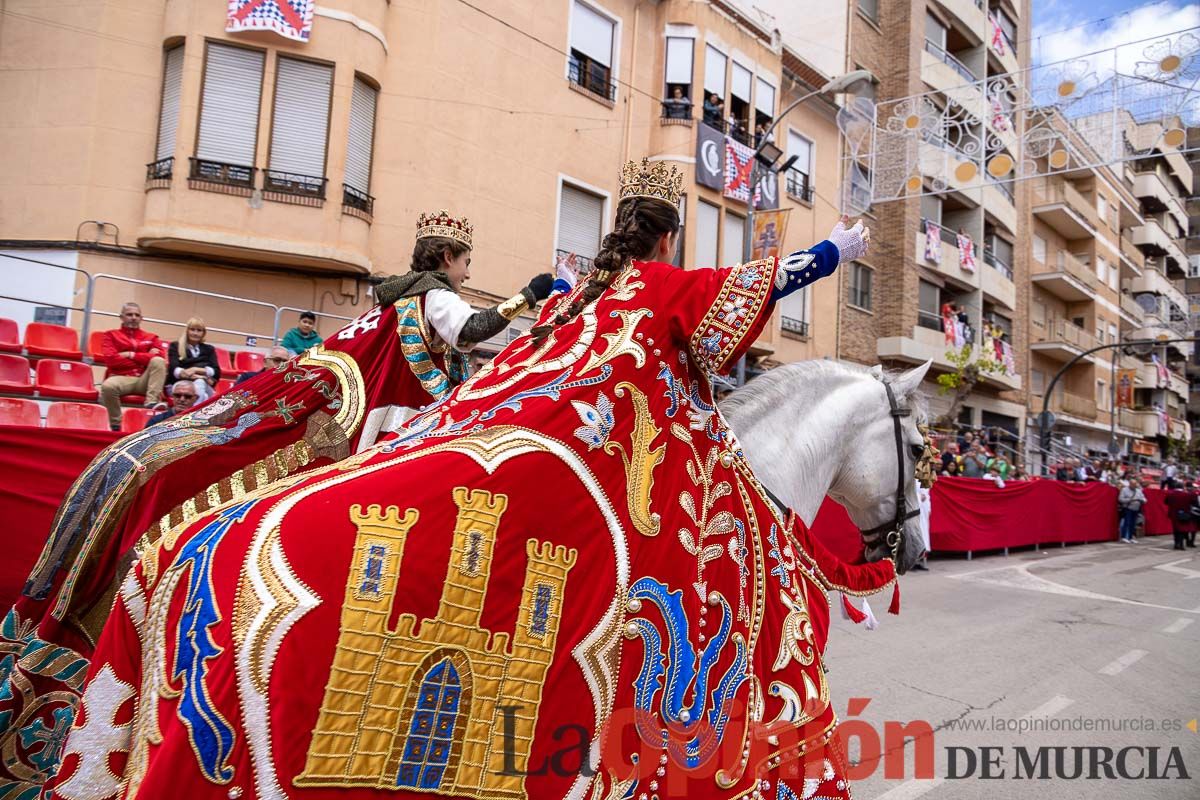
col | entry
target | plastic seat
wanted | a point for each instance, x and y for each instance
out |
(52, 341)
(135, 419)
(10, 337)
(96, 347)
(15, 411)
(80, 416)
(224, 360)
(224, 385)
(248, 361)
(133, 399)
(14, 375)
(71, 379)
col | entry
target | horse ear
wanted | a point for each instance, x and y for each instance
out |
(908, 382)
(876, 372)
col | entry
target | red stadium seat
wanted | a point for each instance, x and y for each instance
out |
(52, 341)
(81, 416)
(14, 375)
(224, 385)
(224, 360)
(15, 411)
(10, 338)
(135, 419)
(248, 361)
(65, 379)
(96, 346)
(133, 399)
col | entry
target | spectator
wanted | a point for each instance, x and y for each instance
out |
(714, 110)
(1179, 509)
(965, 441)
(136, 361)
(1169, 473)
(303, 336)
(974, 463)
(183, 397)
(1001, 465)
(950, 454)
(1064, 471)
(1130, 499)
(677, 106)
(192, 359)
(951, 469)
(994, 476)
(1083, 473)
(277, 356)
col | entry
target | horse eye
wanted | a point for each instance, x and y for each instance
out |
(918, 450)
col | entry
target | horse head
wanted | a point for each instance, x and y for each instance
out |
(820, 428)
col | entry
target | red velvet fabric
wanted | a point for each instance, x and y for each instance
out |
(39, 467)
(1158, 521)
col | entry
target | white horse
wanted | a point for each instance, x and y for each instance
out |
(818, 428)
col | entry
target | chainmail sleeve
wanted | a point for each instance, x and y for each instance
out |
(485, 324)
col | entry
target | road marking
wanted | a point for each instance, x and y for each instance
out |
(1123, 663)
(911, 789)
(1050, 707)
(1019, 577)
(1178, 625)
(1173, 566)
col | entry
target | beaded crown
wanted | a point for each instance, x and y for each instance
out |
(658, 181)
(442, 224)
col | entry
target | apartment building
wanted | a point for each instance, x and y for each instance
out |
(1192, 282)
(950, 70)
(161, 157)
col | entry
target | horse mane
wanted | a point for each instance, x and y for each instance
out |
(802, 384)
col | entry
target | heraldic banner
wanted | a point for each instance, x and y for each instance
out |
(769, 230)
(291, 19)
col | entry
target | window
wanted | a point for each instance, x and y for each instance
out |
(1102, 206)
(935, 31)
(299, 126)
(678, 78)
(741, 84)
(800, 176)
(1039, 249)
(1102, 269)
(590, 64)
(1037, 381)
(168, 115)
(869, 9)
(793, 312)
(363, 100)
(1102, 395)
(764, 103)
(931, 208)
(1100, 333)
(929, 304)
(708, 224)
(714, 71)
(860, 285)
(1114, 276)
(734, 238)
(1112, 332)
(580, 222)
(227, 136)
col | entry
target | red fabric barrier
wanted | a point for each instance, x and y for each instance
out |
(39, 467)
(1157, 520)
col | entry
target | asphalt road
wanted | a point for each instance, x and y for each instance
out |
(1101, 635)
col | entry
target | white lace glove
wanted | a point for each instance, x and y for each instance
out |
(851, 242)
(566, 269)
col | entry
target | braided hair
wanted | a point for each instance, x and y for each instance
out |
(641, 222)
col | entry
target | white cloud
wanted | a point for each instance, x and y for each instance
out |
(1148, 22)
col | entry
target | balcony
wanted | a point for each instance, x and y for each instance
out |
(1063, 208)
(1142, 421)
(1180, 429)
(1153, 190)
(1071, 280)
(285, 187)
(1155, 241)
(591, 77)
(799, 186)
(1132, 258)
(1059, 339)
(676, 112)
(1155, 282)
(996, 280)
(999, 201)
(1073, 405)
(970, 12)
(797, 328)
(357, 203)
(158, 173)
(927, 344)
(949, 266)
(1133, 313)
(214, 176)
(941, 70)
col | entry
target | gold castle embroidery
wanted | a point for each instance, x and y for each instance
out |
(423, 710)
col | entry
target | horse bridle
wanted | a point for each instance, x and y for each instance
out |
(893, 531)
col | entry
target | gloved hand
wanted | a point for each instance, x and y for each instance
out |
(541, 285)
(851, 242)
(568, 270)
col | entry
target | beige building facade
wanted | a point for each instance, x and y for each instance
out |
(159, 158)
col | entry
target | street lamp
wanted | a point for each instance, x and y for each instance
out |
(767, 153)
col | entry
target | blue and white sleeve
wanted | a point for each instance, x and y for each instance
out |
(804, 267)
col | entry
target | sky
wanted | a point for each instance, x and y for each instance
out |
(1059, 35)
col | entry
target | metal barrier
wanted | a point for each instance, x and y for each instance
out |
(88, 290)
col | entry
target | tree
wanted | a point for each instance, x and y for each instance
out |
(969, 369)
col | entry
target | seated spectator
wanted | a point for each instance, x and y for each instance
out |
(714, 110)
(1000, 465)
(303, 336)
(994, 476)
(677, 106)
(193, 359)
(136, 361)
(950, 454)
(183, 397)
(950, 469)
(965, 441)
(277, 356)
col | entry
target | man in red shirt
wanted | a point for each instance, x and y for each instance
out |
(136, 362)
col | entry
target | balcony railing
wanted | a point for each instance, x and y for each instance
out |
(1005, 188)
(158, 173)
(929, 320)
(940, 53)
(1056, 329)
(797, 326)
(357, 203)
(1074, 404)
(1131, 307)
(583, 263)
(948, 236)
(677, 112)
(289, 187)
(798, 185)
(593, 77)
(996, 263)
(217, 176)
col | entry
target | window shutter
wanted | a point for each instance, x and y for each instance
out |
(580, 220)
(679, 60)
(764, 100)
(301, 118)
(741, 82)
(708, 222)
(714, 71)
(362, 135)
(229, 110)
(799, 146)
(592, 34)
(735, 234)
(168, 117)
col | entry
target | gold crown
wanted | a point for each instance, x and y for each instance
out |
(442, 224)
(658, 181)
